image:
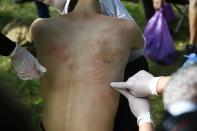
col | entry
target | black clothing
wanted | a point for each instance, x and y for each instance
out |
(190, 49)
(183, 122)
(42, 9)
(42, 127)
(6, 45)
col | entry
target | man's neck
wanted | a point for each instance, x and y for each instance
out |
(87, 7)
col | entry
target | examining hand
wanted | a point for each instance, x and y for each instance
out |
(142, 84)
(26, 66)
(140, 107)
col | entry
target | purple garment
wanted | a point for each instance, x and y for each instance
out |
(168, 12)
(159, 43)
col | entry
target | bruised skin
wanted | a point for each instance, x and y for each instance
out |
(80, 67)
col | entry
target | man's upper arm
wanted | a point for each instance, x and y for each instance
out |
(136, 38)
(137, 42)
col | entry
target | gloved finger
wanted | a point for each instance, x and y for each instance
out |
(124, 92)
(41, 69)
(120, 85)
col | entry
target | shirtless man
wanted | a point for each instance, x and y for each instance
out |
(83, 52)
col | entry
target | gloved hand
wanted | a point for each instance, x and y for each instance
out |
(191, 59)
(26, 66)
(134, 1)
(142, 84)
(140, 107)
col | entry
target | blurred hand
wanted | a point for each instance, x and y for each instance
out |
(140, 107)
(191, 59)
(26, 66)
(142, 84)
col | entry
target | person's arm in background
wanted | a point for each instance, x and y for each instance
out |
(140, 107)
(26, 66)
(143, 84)
(192, 46)
(193, 21)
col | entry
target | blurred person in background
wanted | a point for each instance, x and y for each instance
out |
(191, 47)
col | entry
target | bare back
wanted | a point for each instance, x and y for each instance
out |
(82, 57)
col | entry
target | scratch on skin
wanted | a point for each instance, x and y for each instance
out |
(99, 71)
(95, 45)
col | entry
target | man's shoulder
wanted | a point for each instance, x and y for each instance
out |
(123, 24)
(117, 21)
(126, 26)
(37, 25)
(42, 22)
(129, 32)
(41, 25)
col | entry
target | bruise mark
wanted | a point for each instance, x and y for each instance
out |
(101, 65)
(58, 52)
(110, 56)
(114, 54)
(97, 71)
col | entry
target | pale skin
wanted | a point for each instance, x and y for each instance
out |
(146, 126)
(161, 84)
(83, 52)
(157, 4)
(193, 21)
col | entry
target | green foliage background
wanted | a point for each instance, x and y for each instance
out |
(28, 91)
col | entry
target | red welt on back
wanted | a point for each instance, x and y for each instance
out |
(58, 52)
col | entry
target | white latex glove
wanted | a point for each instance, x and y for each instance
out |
(140, 107)
(142, 84)
(25, 64)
